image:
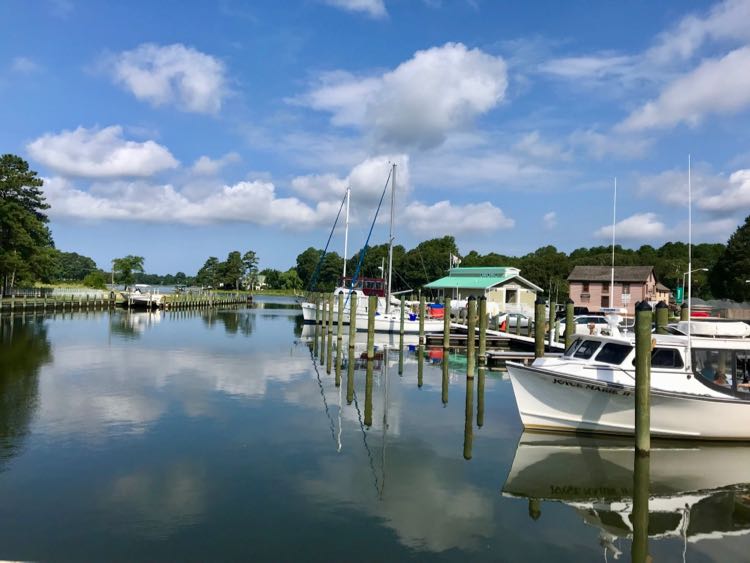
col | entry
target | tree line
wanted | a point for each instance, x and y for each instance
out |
(28, 255)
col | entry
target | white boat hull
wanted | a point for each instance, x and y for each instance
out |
(553, 401)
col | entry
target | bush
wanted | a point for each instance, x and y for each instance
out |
(95, 280)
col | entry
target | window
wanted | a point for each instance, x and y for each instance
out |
(587, 349)
(666, 358)
(605, 300)
(612, 353)
(723, 370)
(573, 347)
(605, 287)
(626, 289)
(585, 287)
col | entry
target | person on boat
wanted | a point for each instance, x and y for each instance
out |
(721, 378)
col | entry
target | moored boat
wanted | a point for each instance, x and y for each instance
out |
(700, 388)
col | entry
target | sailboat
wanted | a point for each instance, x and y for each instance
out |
(388, 313)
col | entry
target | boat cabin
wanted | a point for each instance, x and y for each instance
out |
(722, 366)
(369, 286)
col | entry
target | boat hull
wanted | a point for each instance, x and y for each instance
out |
(383, 323)
(549, 400)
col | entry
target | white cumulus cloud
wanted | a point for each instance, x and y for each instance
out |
(373, 8)
(437, 91)
(207, 166)
(100, 153)
(25, 65)
(172, 74)
(732, 197)
(640, 226)
(251, 201)
(550, 220)
(716, 86)
(426, 220)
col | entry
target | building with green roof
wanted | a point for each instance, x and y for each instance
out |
(502, 286)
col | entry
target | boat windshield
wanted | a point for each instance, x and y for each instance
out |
(613, 353)
(727, 371)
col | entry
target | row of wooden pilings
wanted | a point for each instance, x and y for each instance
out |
(55, 303)
(203, 300)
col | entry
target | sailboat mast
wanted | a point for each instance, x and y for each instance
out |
(390, 240)
(346, 233)
(614, 223)
(690, 257)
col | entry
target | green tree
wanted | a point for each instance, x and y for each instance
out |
(125, 268)
(428, 261)
(233, 269)
(250, 262)
(729, 276)
(25, 240)
(307, 261)
(71, 266)
(273, 278)
(208, 275)
(291, 280)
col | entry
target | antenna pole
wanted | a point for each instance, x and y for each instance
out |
(346, 232)
(612, 275)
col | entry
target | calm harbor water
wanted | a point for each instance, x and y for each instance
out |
(217, 435)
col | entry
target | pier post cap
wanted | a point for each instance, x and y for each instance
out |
(642, 307)
(472, 298)
(569, 301)
(540, 301)
(662, 305)
(483, 298)
(684, 305)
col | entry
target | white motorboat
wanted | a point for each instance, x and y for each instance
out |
(696, 492)
(700, 386)
(143, 295)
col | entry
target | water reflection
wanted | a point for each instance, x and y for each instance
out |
(129, 324)
(24, 349)
(695, 491)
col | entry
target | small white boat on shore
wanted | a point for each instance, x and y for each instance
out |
(699, 389)
(142, 295)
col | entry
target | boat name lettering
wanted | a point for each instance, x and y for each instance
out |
(591, 387)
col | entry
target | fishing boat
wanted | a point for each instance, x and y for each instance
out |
(142, 295)
(696, 492)
(700, 384)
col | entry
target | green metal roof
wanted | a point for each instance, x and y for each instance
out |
(468, 282)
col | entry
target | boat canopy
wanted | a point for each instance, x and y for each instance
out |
(720, 329)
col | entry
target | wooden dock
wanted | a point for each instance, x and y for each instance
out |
(85, 302)
(495, 339)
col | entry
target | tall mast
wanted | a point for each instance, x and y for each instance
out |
(690, 257)
(390, 240)
(612, 275)
(346, 233)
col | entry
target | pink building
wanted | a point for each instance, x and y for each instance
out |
(589, 287)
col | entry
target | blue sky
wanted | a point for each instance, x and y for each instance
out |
(179, 130)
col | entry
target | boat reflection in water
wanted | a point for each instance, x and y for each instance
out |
(696, 491)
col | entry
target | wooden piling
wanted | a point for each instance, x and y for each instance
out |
(569, 326)
(371, 306)
(684, 312)
(316, 332)
(662, 317)
(643, 316)
(551, 322)
(352, 318)
(422, 315)
(330, 315)
(401, 321)
(447, 324)
(483, 330)
(539, 327)
(340, 325)
(471, 323)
